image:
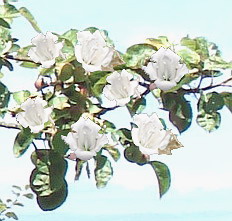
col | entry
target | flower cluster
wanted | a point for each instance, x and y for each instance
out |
(94, 54)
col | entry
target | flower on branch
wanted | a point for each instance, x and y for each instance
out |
(46, 49)
(34, 114)
(92, 51)
(85, 139)
(150, 135)
(165, 69)
(121, 87)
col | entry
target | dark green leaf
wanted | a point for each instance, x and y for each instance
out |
(29, 195)
(11, 215)
(58, 143)
(133, 155)
(4, 24)
(137, 106)
(180, 111)
(100, 161)
(227, 96)
(210, 102)
(163, 175)
(66, 72)
(26, 13)
(54, 200)
(22, 141)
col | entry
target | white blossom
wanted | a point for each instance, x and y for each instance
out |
(84, 139)
(165, 69)
(121, 87)
(34, 114)
(46, 49)
(92, 51)
(150, 135)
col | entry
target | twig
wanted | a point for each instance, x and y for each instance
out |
(10, 125)
(20, 59)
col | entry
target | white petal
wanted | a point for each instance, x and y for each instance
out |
(32, 54)
(40, 37)
(181, 71)
(165, 141)
(70, 140)
(123, 101)
(151, 70)
(155, 119)
(48, 64)
(159, 54)
(148, 151)
(20, 117)
(134, 135)
(78, 53)
(37, 128)
(85, 155)
(140, 119)
(165, 85)
(101, 141)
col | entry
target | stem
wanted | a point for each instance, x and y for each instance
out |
(20, 59)
(10, 125)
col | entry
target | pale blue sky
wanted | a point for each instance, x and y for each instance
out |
(201, 171)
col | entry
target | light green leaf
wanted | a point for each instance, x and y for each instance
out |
(21, 96)
(66, 72)
(27, 14)
(103, 174)
(136, 106)
(161, 41)
(137, 55)
(209, 121)
(163, 175)
(113, 151)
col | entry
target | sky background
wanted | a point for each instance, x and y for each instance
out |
(201, 186)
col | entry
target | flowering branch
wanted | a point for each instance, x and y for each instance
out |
(20, 59)
(10, 125)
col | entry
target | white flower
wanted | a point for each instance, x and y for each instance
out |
(85, 140)
(150, 135)
(46, 49)
(165, 69)
(121, 87)
(34, 115)
(92, 51)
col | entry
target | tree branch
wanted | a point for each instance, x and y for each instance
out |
(10, 125)
(11, 57)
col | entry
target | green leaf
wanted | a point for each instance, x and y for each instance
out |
(216, 63)
(18, 204)
(180, 111)
(210, 102)
(70, 35)
(124, 135)
(27, 14)
(100, 161)
(189, 57)
(4, 97)
(137, 106)
(103, 175)
(59, 102)
(54, 200)
(8, 12)
(28, 195)
(227, 96)
(22, 141)
(3, 207)
(21, 96)
(209, 121)
(66, 72)
(137, 55)
(6, 63)
(48, 176)
(27, 64)
(163, 176)
(11, 215)
(113, 151)
(58, 143)
(161, 41)
(4, 24)
(133, 155)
